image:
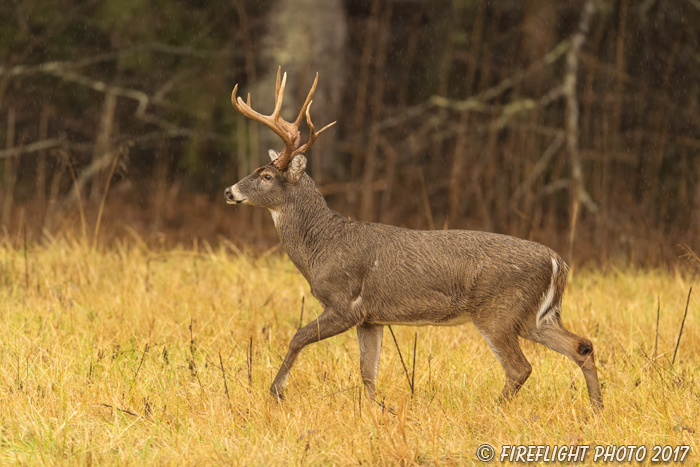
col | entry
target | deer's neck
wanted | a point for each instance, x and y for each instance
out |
(306, 225)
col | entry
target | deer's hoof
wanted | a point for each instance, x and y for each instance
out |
(277, 393)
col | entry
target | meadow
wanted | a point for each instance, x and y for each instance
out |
(133, 355)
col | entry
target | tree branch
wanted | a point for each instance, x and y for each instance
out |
(577, 192)
(32, 147)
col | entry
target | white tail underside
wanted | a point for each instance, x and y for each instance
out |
(547, 299)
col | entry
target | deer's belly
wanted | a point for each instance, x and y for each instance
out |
(421, 319)
(417, 306)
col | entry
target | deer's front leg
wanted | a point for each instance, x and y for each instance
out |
(369, 337)
(328, 324)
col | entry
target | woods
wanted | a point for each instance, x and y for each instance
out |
(575, 124)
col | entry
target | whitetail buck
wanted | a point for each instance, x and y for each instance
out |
(370, 275)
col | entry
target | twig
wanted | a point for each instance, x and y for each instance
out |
(413, 370)
(430, 370)
(144, 100)
(390, 410)
(680, 333)
(478, 102)
(656, 338)
(49, 67)
(690, 254)
(121, 410)
(250, 362)
(191, 339)
(26, 261)
(359, 402)
(193, 52)
(342, 390)
(31, 147)
(223, 374)
(410, 383)
(143, 357)
(301, 316)
(141, 97)
(539, 167)
(656, 367)
(19, 378)
(193, 364)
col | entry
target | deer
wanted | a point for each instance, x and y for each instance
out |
(370, 275)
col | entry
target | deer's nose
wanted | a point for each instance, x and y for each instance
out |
(228, 194)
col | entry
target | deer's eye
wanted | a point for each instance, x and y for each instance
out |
(267, 177)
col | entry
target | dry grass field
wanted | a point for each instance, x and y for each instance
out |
(114, 357)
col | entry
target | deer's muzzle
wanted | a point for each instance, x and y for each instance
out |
(233, 195)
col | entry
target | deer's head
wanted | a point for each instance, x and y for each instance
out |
(266, 186)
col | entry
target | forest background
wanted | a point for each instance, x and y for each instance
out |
(575, 124)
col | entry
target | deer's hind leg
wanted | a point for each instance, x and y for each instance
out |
(369, 336)
(506, 347)
(554, 335)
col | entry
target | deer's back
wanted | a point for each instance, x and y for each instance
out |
(444, 277)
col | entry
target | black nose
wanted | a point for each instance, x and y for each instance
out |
(228, 194)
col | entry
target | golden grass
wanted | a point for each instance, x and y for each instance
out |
(100, 366)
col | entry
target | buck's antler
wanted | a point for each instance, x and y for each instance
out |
(289, 132)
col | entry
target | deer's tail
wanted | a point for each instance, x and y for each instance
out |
(550, 306)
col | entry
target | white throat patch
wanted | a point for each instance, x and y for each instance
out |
(275, 217)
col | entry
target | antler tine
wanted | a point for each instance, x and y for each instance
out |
(289, 132)
(313, 134)
(277, 84)
(311, 125)
(307, 102)
(283, 129)
(279, 97)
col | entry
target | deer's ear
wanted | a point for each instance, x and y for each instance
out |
(273, 154)
(296, 168)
